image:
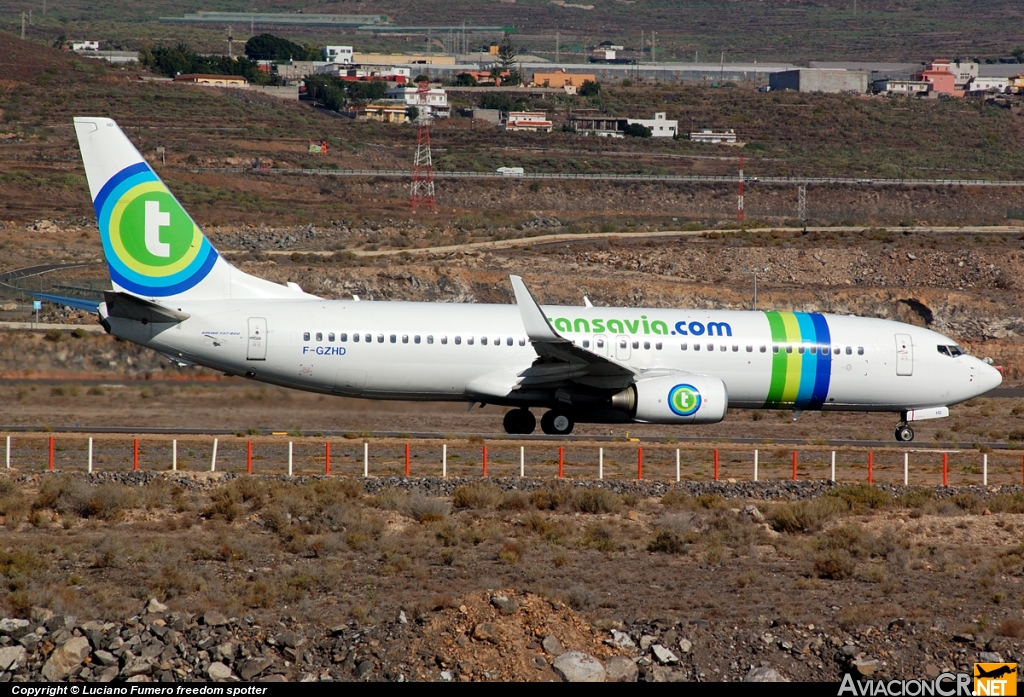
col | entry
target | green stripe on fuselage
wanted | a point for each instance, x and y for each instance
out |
(779, 360)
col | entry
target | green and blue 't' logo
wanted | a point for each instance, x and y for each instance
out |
(684, 400)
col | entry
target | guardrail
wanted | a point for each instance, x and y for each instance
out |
(404, 173)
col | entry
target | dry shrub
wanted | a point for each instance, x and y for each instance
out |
(805, 516)
(225, 504)
(835, 564)
(595, 501)
(514, 500)
(667, 542)
(425, 509)
(862, 497)
(550, 530)
(389, 500)
(1013, 628)
(551, 496)
(69, 495)
(600, 536)
(1007, 503)
(510, 553)
(677, 498)
(477, 497)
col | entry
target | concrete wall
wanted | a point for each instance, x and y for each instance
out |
(813, 80)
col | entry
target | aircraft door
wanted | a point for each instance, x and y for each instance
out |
(904, 355)
(622, 348)
(257, 349)
(601, 347)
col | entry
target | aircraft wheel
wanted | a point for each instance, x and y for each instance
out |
(519, 421)
(555, 423)
(904, 433)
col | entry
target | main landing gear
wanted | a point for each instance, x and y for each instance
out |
(904, 433)
(556, 423)
(520, 422)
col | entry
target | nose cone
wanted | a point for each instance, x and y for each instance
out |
(988, 378)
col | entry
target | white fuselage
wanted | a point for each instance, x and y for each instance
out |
(445, 351)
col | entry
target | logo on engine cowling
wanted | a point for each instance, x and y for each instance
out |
(684, 400)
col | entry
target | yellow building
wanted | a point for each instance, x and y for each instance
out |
(1017, 83)
(561, 79)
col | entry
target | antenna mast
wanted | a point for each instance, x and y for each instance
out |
(422, 191)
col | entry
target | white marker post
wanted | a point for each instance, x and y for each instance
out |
(444, 461)
(600, 463)
(366, 460)
(984, 469)
(677, 465)
(755, 465)
(833, 466)
(90, 455)
(906, 469)
(213, 460)
(174, 455)
(290, 453)
(522, 461)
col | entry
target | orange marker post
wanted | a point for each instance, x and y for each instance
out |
(248, 458)
(945, 469)
(407, 464)
(639, 463)
(561, 462)
(327, 458)
(485, 460)
(794, 465)
(716, 465)
(51, 453)
(871, 467)
(135, 454)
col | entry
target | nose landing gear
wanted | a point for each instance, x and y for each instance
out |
(904, 433)
(520, 422)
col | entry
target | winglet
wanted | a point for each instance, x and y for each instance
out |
(537, 326)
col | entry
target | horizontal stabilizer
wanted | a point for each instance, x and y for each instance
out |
(76, 303)
(127, 306)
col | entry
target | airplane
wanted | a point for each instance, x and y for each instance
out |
(174, 293)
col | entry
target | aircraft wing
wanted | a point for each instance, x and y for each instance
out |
(560, 361)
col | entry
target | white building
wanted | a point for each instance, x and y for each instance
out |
(707, 135)
(436, 100)
(908, 87)
(85, 46)
(338, 54)
(528, 121)
(989, 84)
(659, 125)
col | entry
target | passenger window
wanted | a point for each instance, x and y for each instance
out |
(657, 346)
(723, 348)
(444, 339)
(849, 351)
(343, 337)
(522, 342)
(775, 348)
(750, 348)
(405, 338)
(647, 345)
(789, 349)
(764, 349)
(483, 341)
(469, 340)
(837, 350)
(380, 338)
(458, 340)
(696, 347)
(800, 349)
(711, 347)
(860, 350)
(682, 347)
(814, 350)
(369, 339)
(497, 341)
(430, 338)
(305, 336)
(600, 343)
(636, 344)
(622, 343)
(416, 339)
(355, 338)
(735, 348)
(508, 341)
(330, 337)
(586, 343)
(319, 336)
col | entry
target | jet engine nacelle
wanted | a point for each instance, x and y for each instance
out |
(676, 398)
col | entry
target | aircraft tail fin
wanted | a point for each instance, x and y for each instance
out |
(152, 246)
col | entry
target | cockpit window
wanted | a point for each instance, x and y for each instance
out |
(952, 351)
